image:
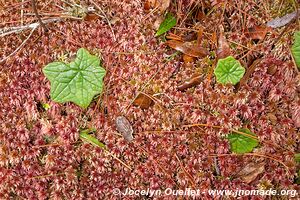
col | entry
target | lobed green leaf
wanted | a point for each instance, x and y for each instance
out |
(296, 48)
(229, 70)
(76, 82)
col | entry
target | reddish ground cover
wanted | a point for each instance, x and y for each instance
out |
(41, 154)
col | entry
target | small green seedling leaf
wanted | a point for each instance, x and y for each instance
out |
(84, 135)
(242, 143)
(168, 23)
(78, 81)
(46, 106)
(297, 157)
(229, 70)
(296, 48)
(298, 178)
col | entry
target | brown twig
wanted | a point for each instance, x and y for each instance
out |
(191, 179)
(249, 71)
(19, 47)
(33, 4)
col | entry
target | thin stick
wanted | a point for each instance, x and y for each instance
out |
(103, 13)
(186, 172)
(115, 157)
(22, 12)
(19, 47)
(33, 4)
(17, 29)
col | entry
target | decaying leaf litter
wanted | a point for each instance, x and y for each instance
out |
(163, 119)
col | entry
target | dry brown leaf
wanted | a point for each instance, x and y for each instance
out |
(200, 16)
(164, 5)
(124, 127)
(91, 17)
(190, 37)
(250, 172)
(143, 101)
(147, 5)
(257, 32)
(223, 50)
(190, 83)
(188, 48)
(161, 4)
(250, 69)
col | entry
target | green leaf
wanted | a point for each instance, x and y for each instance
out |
(296, 48)
(78, 81)
(297, 178)
(84, 135)
(46, 106)
(229, 70)
(297, 157)
(242, 143)
(167, 24)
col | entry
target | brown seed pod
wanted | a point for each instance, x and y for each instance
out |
(124, 127)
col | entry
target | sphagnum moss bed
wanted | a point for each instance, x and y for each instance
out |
(192, 95)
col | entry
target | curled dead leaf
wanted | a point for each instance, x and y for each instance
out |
(190, 83)
(257, 32)
(223, 50)
(249, 72)
(124, 127)
(250, 172)
(143, 101)
(190, 37)
(188, 48)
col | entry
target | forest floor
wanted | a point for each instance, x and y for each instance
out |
(189, 129)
